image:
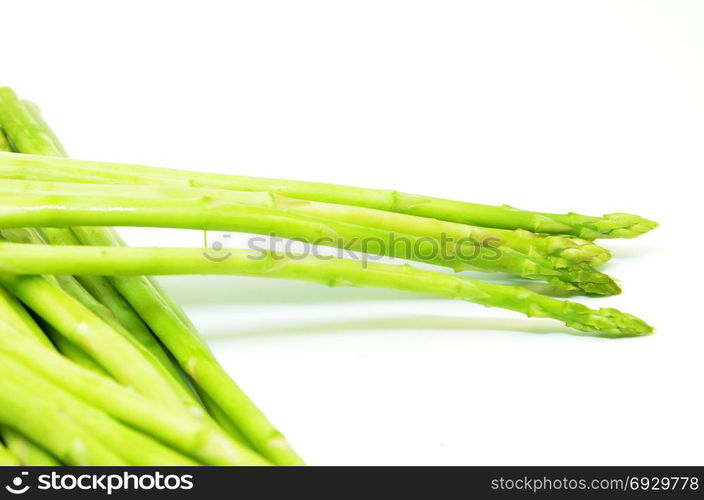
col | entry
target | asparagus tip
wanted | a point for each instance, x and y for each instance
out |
(618, 225)
(612, 322)
(585, 279)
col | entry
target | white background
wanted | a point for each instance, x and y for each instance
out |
(588, 106)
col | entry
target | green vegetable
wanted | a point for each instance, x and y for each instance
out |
(99, 366)
(7, 458)
(99, 323)
(27, 452)
(27, 203)
(188, 433)
(4, 145)
(616, 225)
(25, 127)
(159, 312)
(24, 259)
(133, 447)
(33, 414)
(120, 314)
(88, 331)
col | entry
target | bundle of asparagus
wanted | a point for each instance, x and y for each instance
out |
(90, 341)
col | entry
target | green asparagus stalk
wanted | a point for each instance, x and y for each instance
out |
(148, 293)
(565, 249)
(538, 245)
(199, 363)
(568, 249)
(39, 417)
(148, 348)
(24, 125)
(106, 294)
(193, 436)
(12, 312)
(120, 314)
(7, 458)
(615, 225)
(33, 134)
(27, 452)
(35, 416)
(68, 204)
(72, 351)
(4, 144)
(133, 447)
(101, 288)
(22, 259)
(161, 314)
(85, 329)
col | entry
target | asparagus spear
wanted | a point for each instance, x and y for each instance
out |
(106, 294)
(4, 145)
(7, 458)
(11, 311)
(133, 447)
(161, 314)
(538, 245)
(72, 351)
(615, 225)
(39, 417)
(545, 246)
(183, 431)
(147, 292)
(82, 327)
(121, 314)
(67, 204)
(148, 348)
(23, 259)
(25, 450)
(25, 127)
(32, 134)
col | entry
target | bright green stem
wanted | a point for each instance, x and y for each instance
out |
(334, 272)
(25, 127)
(132, 446)
(164, 317)
(70, 347)
(69, 204)
(4, 145)
(27, 452)
(616, 225)
(43, 421)
(120, 314)
(39, 417)
(72, 351)
(567, 249)
(198, 362)
(31, 134)
(7, 458)
(89, 332)
(12, 312)
(98, 236)
(538, 245)
(193, 436)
